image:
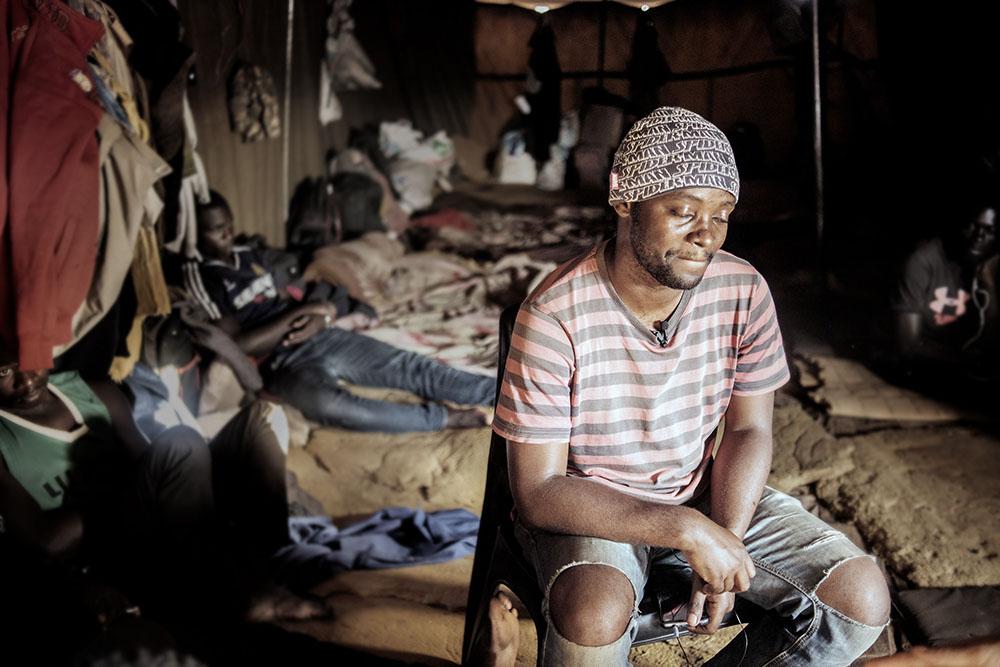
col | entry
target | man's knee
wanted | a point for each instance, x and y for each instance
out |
(857, 590)
(179, 446)
(591, 605)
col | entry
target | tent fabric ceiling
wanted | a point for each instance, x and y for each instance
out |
(557, 4)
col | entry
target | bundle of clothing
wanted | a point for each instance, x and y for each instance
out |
(253, 104)
(345, 65)
(95, 123)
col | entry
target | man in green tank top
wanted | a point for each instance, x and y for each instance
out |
(182, 526)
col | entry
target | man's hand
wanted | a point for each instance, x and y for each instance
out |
(304, 328)
(719, 558)
(355, 322)
(717, 606)
(322, 309)
(309, 320)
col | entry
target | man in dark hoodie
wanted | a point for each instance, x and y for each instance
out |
(946, 309)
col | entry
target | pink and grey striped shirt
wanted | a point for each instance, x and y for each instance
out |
(638, 416)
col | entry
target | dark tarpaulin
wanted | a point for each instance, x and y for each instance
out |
(544, 90)
(647, 68)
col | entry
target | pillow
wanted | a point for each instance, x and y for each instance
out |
(360, 266)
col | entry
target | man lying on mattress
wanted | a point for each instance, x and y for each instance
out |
(310, 347)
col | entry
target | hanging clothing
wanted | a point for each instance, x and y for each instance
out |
(52, 161)
(129, 206)
(108, 98)
(544, 91)
(193, 189)
(160, 57)
(151, 288)
(647, 69)
(253, 104)
(93, 354)
(345, 65)
(128, 202)
(114, 46)
(5, 72)
(112, 73)
(152, 298)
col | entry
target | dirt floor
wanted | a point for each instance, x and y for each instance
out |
(921, 495)
(923, 498)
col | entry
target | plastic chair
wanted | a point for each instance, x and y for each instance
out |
(500, 560)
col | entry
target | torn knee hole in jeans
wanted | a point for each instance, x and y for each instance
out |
(577, 563)
(831, 608)
(572, 564)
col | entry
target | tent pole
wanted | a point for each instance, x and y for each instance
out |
(817, 135)
(603, 29)
(288, 108)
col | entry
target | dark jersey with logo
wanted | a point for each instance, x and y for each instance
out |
(245, 289)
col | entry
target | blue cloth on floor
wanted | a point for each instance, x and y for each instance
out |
(392, 537)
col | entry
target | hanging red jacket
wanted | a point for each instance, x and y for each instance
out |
(51, 231)
(7, 337)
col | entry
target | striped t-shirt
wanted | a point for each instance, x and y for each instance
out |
(637, 415)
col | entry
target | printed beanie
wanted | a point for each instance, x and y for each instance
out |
(669, 149)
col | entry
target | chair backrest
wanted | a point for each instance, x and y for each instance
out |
(498, 502)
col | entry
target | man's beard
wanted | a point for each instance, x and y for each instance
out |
(660, 268)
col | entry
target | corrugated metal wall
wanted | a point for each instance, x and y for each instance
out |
(250, 175)
(419, 55)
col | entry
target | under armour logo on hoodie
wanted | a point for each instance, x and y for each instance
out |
(946, 308)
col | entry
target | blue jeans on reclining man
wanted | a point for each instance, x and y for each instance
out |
(309, 377)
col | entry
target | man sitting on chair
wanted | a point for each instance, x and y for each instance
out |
(623, 365)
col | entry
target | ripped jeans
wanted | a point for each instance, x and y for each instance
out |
(793, 552)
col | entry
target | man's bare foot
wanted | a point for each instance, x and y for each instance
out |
(469, 417)
(277, 603)
(499, 642)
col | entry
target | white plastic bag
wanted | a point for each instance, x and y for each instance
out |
(552, 175)
(396, 137)
(514, 164)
